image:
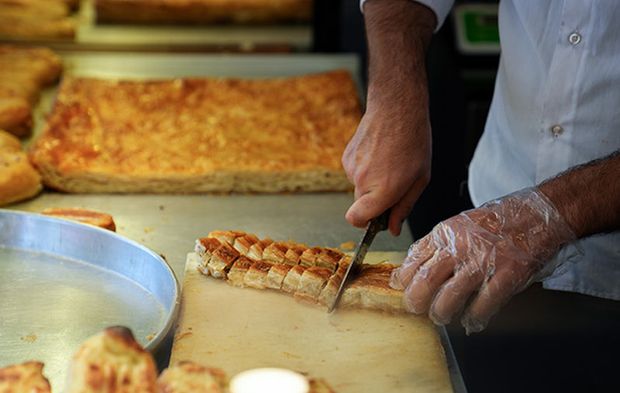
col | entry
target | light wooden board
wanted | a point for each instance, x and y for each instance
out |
(353, 350)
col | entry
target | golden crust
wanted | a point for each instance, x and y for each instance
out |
(23, 73)
(112, 361)
(203, 11)
(292, 279)
(85, 216)
(235, 135)
(256, 277)
(237, 272)
(27, 19)
(221, 260)
(276, 276)
(24, 378)
(190, 377)
(18, 179)
(312, 282)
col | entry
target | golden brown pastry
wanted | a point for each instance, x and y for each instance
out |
(112, 361)
(24, 378)
(85, 216)
(313, 274)
(18, 179)
(190, 377)
(203, 11)
(235, 135)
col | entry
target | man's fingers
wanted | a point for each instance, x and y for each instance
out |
(453, 295)
(427, 281)
(403, 207)
(419, 252)
(366, 207)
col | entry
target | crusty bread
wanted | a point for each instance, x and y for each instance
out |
(112, 361)
(199, 135)
(203, 11)
(190, 377)
(24, 378)
(24, 72)
(41, 19)
(85, 216)
(18, 179)
(313, 276)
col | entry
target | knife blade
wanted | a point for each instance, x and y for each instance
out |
(375, 226)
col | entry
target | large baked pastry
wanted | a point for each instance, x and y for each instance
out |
(112, 362)
(24, 72)
(311, 274)
(18, 179)
(24, 378)
(203, 11)
(199, 135)
(37, 19)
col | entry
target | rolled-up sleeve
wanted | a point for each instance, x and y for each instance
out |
(441, 8)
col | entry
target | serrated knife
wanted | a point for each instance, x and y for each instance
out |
(375, 226)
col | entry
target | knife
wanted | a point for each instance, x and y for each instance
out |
(375, 226)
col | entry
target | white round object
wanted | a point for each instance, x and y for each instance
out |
(273, 380)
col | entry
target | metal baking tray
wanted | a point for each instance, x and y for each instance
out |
(61, 282)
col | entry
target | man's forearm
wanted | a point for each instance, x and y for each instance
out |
(398, 33)
(588, 196)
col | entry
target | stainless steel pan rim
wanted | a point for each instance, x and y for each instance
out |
(49, 235)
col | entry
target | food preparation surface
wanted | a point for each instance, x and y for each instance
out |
(353, 350)
(169, 224)
(62, 282)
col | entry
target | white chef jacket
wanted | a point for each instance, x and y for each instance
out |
(556, 105)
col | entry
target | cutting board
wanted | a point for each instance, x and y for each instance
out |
(358, 351)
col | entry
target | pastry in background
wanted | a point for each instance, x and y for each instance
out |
(37, 19)
(24, 378)
(18, 179)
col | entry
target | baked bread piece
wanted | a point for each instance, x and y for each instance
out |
(315, 278)
(24, 378)
(199, 135)
(85, 216)
(203, 11)
(112, 361)
(190, 377)
(36, 19)
(24, 72)
(18, 179)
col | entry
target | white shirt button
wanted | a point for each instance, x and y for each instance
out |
(557, 130)
(574, 38)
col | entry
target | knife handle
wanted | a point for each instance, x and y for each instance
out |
(380, 223)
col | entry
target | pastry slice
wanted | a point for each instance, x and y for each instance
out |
(226, 236)
(112, 361)
(276, 276)
(328, 293)
(371, 290)
(16, 115)
(293, 254)
(312, 282)
(221, 260)
(309, 256)
(328, 258)
(255, 252)
(205, 246)
(84, 216)
(256, 277)
(275, 252)
(292, 279)
(243, 243)
(24, 378)
(238, 270)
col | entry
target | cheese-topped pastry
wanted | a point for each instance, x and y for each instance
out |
(112, 361)
(190, 377)
(236, 135)
(24, 378)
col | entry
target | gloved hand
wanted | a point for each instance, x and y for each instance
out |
(485, 255)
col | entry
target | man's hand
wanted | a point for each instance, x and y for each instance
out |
(389, 157)
(484, 256)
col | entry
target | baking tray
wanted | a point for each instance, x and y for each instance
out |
(61, 282)
(91, 35)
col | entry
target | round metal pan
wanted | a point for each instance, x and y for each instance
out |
(61, 282)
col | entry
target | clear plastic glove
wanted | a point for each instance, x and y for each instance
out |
(484, 256)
